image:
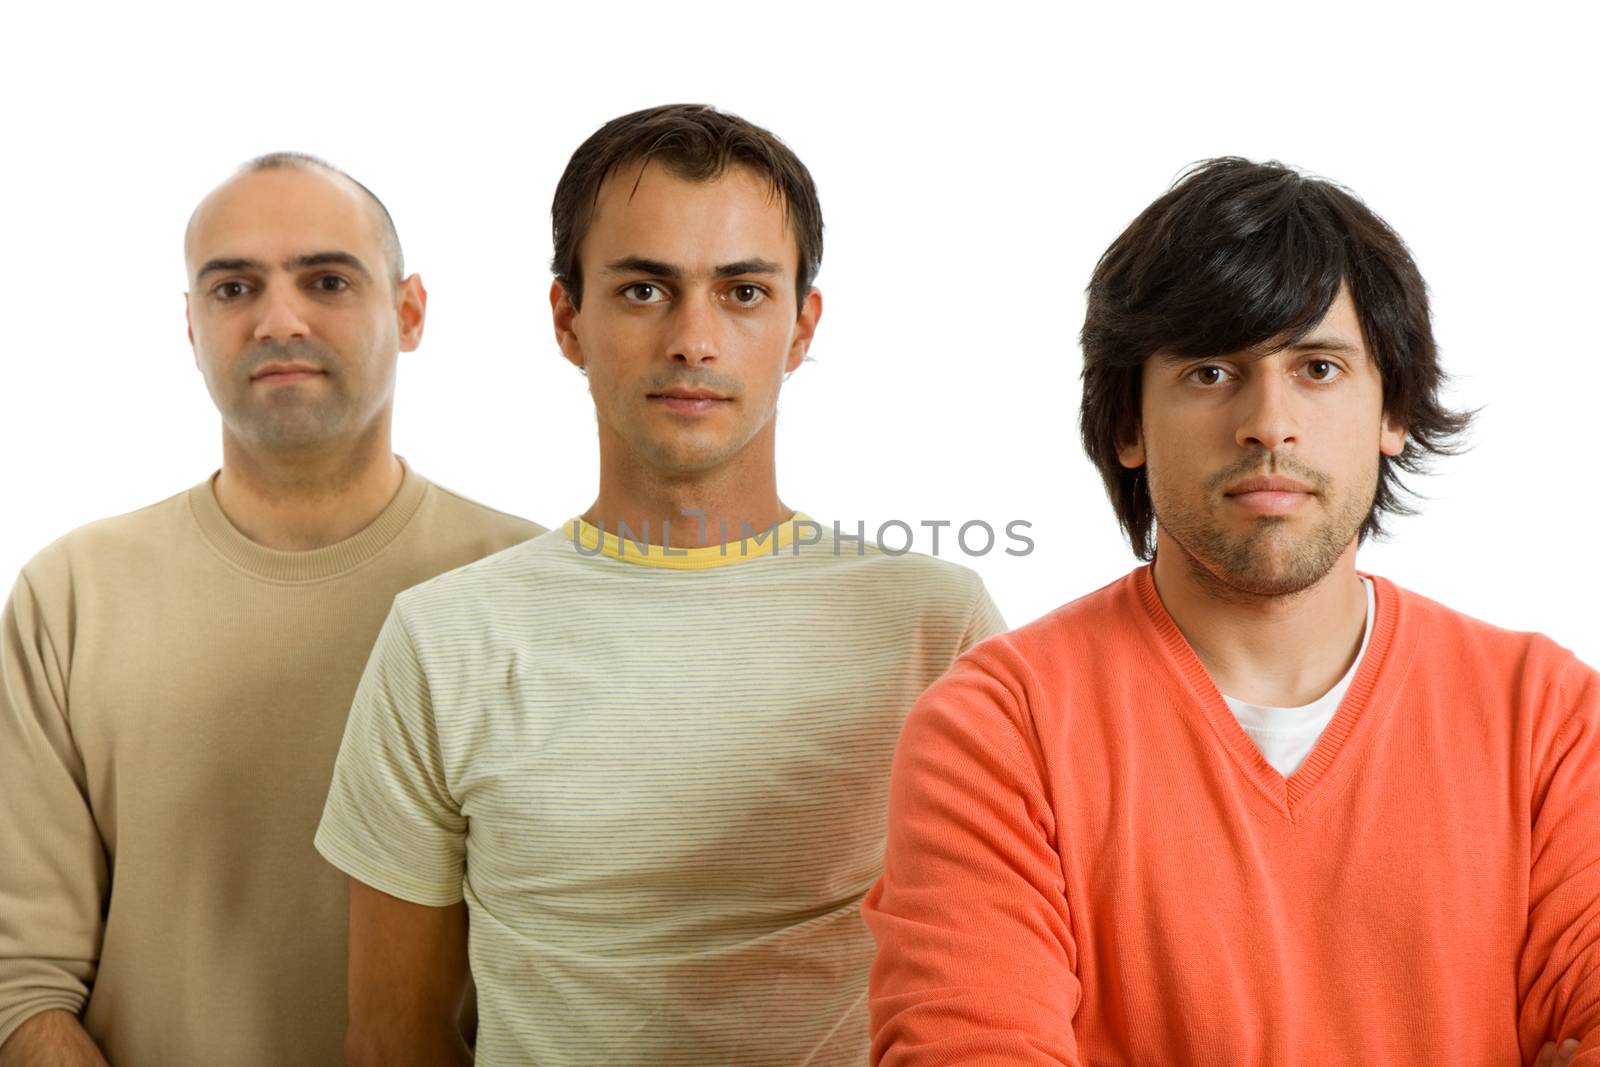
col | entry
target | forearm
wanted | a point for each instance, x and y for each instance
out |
(409, 982)
(405, 1046)
(54, 1038)
(1560, 980)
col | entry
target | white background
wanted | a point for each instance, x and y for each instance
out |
(973, 163)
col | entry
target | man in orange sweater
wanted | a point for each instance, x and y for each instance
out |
(1248, 805)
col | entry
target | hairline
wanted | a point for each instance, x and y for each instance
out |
(383, 223)
(775, 191)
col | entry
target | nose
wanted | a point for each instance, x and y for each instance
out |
(696, 329)
(281, 317)
(1267, 417)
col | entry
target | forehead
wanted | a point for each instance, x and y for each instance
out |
(655, 214)
(271, 215)
(1340, 324)
(1338, 332)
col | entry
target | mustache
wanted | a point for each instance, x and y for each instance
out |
(312, 353)
(716, 383)
(1261, 461)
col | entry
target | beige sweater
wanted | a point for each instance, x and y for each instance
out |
(172, 697)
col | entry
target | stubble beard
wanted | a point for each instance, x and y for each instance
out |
(1269, 560)
(691, 454)
(288, 417)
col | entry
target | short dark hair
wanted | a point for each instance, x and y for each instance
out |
(1238, 255)
(388, 236)
(693, 141)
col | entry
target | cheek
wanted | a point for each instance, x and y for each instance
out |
(213, 331)
(1169, 474)
(618, 341)
(1354, 439)
(1179, 457)
(214, 351)
(1170, 440)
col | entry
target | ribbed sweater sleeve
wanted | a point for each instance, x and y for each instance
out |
(976, 958)
(1559, 979)
(53, 875)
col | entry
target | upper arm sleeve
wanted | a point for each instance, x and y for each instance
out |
(985, 620)
(54, 872)
(976, 959)
(1560, 971)
(390, 820)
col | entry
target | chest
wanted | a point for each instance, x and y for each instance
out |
(681, 755)
(213, 704)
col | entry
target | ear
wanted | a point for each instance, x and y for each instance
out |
(564, 315)
(188, 328)
(1130, 453)
(1391, 436)
(411, 306)
(805, 328)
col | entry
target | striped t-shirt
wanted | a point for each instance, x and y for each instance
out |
(657, 777)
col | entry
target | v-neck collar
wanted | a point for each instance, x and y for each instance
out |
(1384, 664)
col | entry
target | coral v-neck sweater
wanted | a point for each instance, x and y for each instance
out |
(1089, 862)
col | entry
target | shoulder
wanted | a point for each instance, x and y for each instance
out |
(1456, 641)
(1492, 673)
(1067, 673)
(1092, 629)
(478, 585)
(855, 559)
(1024, 673)
(468, 517)
(119, 540)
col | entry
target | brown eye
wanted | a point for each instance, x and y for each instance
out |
(1210, 374)
(331, 283)
(746, 294)
(229, 290)
(644, 293)
(1322, 370)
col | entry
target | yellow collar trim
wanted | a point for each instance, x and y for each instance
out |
(634, 547)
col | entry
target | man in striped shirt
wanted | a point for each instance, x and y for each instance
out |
(635, 771)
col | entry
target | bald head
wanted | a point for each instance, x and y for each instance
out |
(382, 226)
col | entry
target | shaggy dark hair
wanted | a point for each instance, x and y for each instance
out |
(1236, 256)
(695, 142)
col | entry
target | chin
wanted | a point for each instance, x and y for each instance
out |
(1273, 581)
(692, 453)
(1270, 562)
(686, 463)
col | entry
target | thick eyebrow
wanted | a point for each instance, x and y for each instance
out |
(310, 259)
(325, 259)
(1335, 345)
(214, 265)
(657, 269)
(640, 265)
(748, 266)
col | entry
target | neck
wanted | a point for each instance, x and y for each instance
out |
(305, 501)
(1277, 651)
(690, 510)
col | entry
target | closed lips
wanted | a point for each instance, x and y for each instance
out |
(1267, 485)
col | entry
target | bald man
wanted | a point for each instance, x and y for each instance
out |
(174, 682)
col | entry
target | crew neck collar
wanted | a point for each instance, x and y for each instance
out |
(631, 546)
(277, 565)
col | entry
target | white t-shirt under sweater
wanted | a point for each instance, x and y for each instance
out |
(1286, 736)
